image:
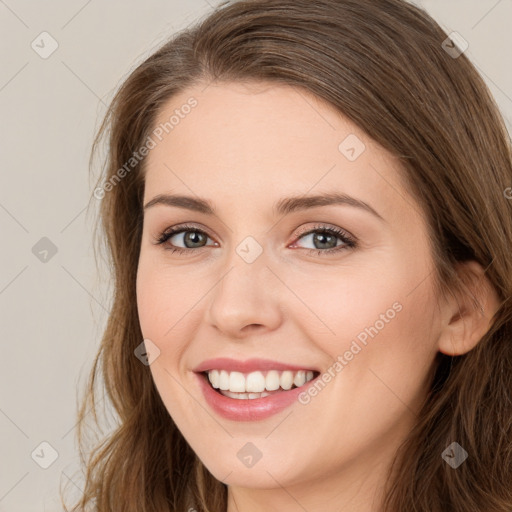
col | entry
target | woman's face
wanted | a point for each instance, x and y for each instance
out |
(266, 277)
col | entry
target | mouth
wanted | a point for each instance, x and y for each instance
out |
(256, 384)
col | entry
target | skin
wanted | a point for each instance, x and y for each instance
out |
(243, 148)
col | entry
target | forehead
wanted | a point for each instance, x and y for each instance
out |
(260, 141)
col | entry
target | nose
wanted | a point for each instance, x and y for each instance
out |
(246, 299)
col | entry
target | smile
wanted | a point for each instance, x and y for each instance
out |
(256, 384)
(252, 389)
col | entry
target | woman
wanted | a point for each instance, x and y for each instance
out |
(307, 206)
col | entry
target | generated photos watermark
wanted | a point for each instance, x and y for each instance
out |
(355, 348)
(150, 143)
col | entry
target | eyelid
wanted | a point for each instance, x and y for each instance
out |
(178, 229)
(319, 226)
(349, 240)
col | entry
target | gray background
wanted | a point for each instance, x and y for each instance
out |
(53, 311)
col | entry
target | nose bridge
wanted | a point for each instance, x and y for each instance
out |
(247, 273)
(245, 263)
(244, 295)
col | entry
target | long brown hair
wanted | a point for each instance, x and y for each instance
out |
(386, 66)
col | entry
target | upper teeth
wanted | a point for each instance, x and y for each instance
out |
(258, 382)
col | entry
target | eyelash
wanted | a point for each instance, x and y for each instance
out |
(348, 241)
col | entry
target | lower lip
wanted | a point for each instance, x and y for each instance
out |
(249, 409)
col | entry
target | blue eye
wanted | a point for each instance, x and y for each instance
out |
(322, 235)
(198, 235)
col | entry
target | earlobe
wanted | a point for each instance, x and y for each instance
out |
(468, 315)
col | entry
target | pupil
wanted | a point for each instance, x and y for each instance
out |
(193, 236)
(323, 237)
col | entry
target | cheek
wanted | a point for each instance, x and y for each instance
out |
(169, 310)
(165, 302)
(387, 361)
(337, 306)
(381, 359)
(379, 323)
(164, 309)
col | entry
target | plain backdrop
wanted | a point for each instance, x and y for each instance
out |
(53, 306)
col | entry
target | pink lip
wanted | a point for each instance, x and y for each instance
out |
(250, 365)
(248, 409)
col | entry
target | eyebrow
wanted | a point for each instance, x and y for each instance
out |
(282, 207)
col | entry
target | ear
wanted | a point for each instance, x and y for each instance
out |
(468, 316)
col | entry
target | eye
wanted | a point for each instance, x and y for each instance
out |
(325, 239)
(191, 236)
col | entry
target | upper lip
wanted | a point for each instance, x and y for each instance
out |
(247, 366)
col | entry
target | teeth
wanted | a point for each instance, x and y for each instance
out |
(300, 378)
(237, 382)
(272, 381)
(224, 380)
(287, 379)
(256, 383)
(244, 396)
